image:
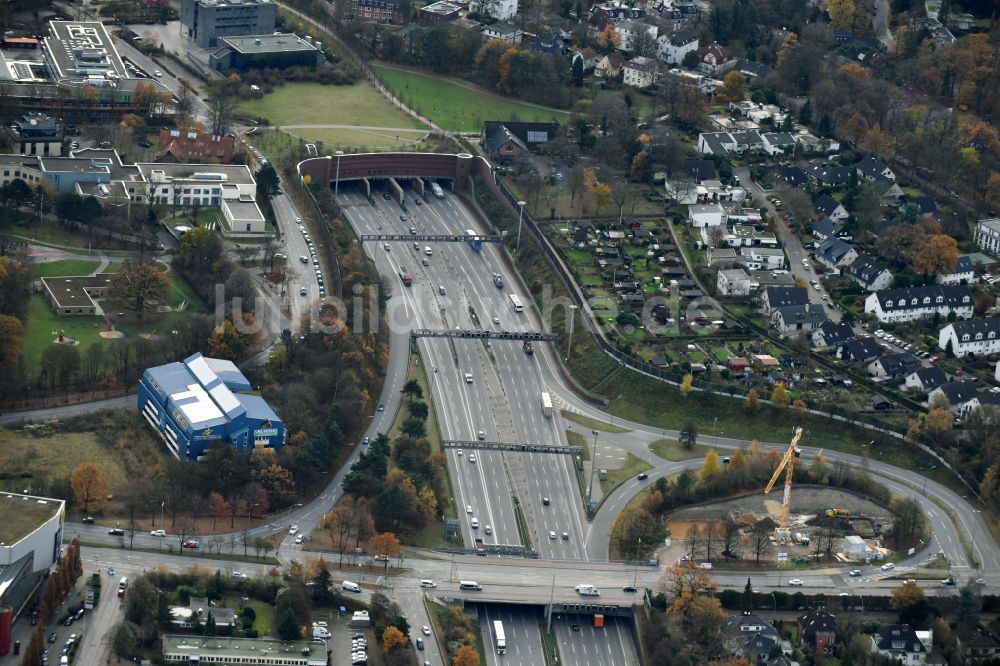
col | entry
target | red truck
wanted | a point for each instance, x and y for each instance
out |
(406, 278)
(528, 349)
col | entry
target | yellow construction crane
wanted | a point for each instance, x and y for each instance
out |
(788, 465)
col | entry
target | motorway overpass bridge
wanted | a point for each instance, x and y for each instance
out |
(512, 446)
(520, 336)
(559, 604)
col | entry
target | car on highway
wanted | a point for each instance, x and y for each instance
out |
(629, 589)
(948, 581)
(475, 523)
(300, 538)
(239, 574)
(116, 531)
(190, 543)
(459, 453)
(642, 476)
(552, 534)
(496, 320)
(795, 582)
(303, 291)
(380, 408)
(575, 627)
(472, 458)
(89, 520)
(304, 259)
(292, 529)
(365, 440)
(158, 533)
(420, 202)
(428, 583)
(488, 529)
(157, 72)
(111, 571)
(546, 501)
(565, 536)
(855, 573)
(888, 566)
(386, 197)
(468, 509)
(403, 218)
(481, 435)
(385, 246)
(413, 230)
(425, 630)
(52, 637)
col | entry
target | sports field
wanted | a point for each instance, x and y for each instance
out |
(315, 104)
(459, 106)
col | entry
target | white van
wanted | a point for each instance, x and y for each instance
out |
(427, 583)
(441, 290)
(428, 251)
(350, 587)
(468, 585)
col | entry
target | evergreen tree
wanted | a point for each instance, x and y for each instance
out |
(288, 626)
(578, 72)
(748, 598)
(210, 628)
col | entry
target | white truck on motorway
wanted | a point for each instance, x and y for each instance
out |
(587, 590)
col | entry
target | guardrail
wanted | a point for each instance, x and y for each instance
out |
(490, 335)
(433, 238)
(512, 446)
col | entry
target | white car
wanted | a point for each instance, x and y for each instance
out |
(468, 509)
(158, 533)
(552, 535)
(459, 453)
(795, 582)
(300, 538)
(888, 566)
(293, 529)
(472, 458)
(426, 630)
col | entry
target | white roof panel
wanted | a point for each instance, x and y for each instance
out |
(201, 370)
(200, 407)
(224, 398)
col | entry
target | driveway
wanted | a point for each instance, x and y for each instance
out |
(793, 247)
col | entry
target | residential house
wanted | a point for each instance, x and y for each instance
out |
(996, 373)
(715, 143)
(590, 58)
(988, 235)
(832, 334)
(179, 146)
(737, 363)
(831, 208)
(977, 645)
(888, 190)
(972, 336)
(869, 272)
(524, 136)
(733, 282)
(439, 13)
(871, 168)
(198, 607)
(925, 380)
(610, 66)
(830, 175)
(911, 303)
(793, 320)
(550, 42)
(746, 140)
(671, 47)
(891, 366)
(765, 279)
(715, 58)
(763, 258)
(855, 351)
(738, 628)
(818, 631)
(961, 397)
(639, 72)
(505, 31)
(827, 228)
(835, 253)
(699, 170)
(500, 10)
(778, 143)
(925, 205)
(751, 69)
(599, 20)
(629, 30)
(813, 144)
(706, 215)
(964, 272)
(38, 134)
(780, 297)
(722, 257)
(899, 642)
(792, 175)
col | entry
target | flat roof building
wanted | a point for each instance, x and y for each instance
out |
(74, 295)
(206, 21)
(199, 401)
(275, 51)
(82, 50)
(179, 649)
(439, 12)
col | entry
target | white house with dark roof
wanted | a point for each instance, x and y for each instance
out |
(899, 642)
(859, 351)
(961, 397)
(733, 282)
(778, 143)
(832, 334)
(869, 272)
(831, 208)
(639, 72)
(780, 297)
(972, 336)
(890, 366)
(629, 30)
(829, 174)
(835, 253)
(671, 47)
(964, 273)
(763, 258)
(794, 320)
(925, 379)
(911, 303)
(871, 168)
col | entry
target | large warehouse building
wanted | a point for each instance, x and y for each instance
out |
(201, 400)
(31, 533)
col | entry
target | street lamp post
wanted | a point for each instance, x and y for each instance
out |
(926, 469)
(715, 427)
(593, 466)
(635, 576)
(162, 506)
(572, 320)
(336, 182)
(520, 219)
(609, 404)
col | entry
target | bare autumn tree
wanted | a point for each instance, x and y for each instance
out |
(139, 284)
(760, 540)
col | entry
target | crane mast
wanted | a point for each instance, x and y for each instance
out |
(787, 464)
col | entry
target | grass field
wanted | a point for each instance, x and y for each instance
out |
(64, 268)
(459, 107)
(632, 467)
(593, 424)
(374, 140)
(670, 449)
(316, 104)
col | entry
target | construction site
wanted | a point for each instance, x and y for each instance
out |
(803, 524)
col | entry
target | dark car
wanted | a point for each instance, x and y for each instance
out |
(629, 589)
(52, 638)
(643, 476)
(89, 520)
(116, 531)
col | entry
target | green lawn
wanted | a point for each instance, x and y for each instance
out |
(670, 449)
(592, 423)
(460, 107)
(632, 467)
(43, 326)
(49, 232)
(64, 268)
(369, 140)
(316, 104)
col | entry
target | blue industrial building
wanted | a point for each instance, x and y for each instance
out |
(203, 400)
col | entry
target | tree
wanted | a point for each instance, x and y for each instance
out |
(734, 86)
(911, 604)
(711, 465)
(218, 507)
(913, 433)
(578, 71)
(760, 540)
(688, 435)
(221, 108)
(225, 342)
(466, 656)
(139, 284)
(752, 403)
(384, 547)
(939, 420)
(268, 183)
(60, 363)
(609, 39)
(684, 581)
(10, 340)
(89, 487)
(967, 607)
(412, 389)
(686, 382)
(936, 255)
(393, 639)
(690, 60)
(779, 396)
(288, 626)
(340, 523)
(644, 44)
